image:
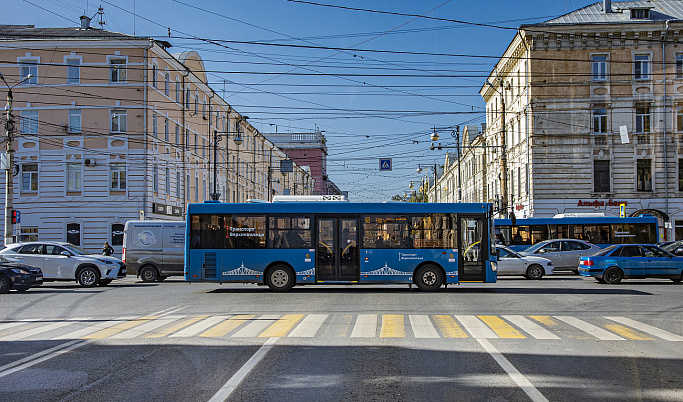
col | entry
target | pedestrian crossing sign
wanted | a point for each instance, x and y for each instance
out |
(385, 164)
(622, 210)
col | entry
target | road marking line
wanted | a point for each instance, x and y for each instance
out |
(91, 329)
(39, 330)
(449, 328)
(223, 328)
(366, 326)
(309, 326)
(224, 393)
(521, 381)
(476, 327)
(668, 336)
(281, 326)
(627, 332)
(591, 329)
(147, 327)
(41, 356)
(533, 329)
(105, 333)
(501, 328)
(545, 320)
(257, 326)
(422, 326)
(392, 326)
(13, 324)
(201, 326)
(177, 326)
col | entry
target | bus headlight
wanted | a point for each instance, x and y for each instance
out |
(494, 266)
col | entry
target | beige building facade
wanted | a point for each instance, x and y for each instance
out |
(112, 127)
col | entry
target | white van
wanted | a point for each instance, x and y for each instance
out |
(154, 250)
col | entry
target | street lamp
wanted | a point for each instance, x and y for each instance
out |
(9, 168)
(218, 136)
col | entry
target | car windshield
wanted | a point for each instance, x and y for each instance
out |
(672, 246)
(77, 250)
(535, 247)
(606, 251)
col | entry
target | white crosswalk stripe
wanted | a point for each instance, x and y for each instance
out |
(309, 326)
(39, 330)
(647, 328)
(13, 324)
(422, 326)
(201, 326)
(366, 326)
(591, 329)
(93, 328)
(533, 329)
(257, 326)
(147, 327)
(476, 327)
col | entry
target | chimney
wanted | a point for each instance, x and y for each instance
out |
(607, 6)
(85, 22)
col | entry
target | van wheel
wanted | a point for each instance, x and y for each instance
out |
(428, 278)
(149, 274)
(88, 277)
(280, 278)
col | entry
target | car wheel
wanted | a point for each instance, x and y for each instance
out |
(429, 278)
(105, 282)
(88, 277)
(280, 278)
(678, 280)
(5, 284)
(149, 274)
(613, 275)
(534, 272)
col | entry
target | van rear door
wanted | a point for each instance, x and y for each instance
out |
(174, 248)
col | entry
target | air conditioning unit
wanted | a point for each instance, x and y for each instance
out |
(89, 162)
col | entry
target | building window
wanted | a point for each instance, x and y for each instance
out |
(599, 67)
(117, 70)
(204, 193)
(640, 14)
(29, 177)
(29, 122)
(73, 71)
(73, 176)
(601, 177)
(155, 178)
(73, 233)
(643, 119)
(680, 175)
(679, 65)
(177, 92)
(29, 67)
(644, 174)
(166, 129)
(118, 121)
(154, 125)
(196, 140)
(28, 234)
(196, 104)
(177, 185)
(599, 120)
(177, 134)
(75, 121)
(118, 175)
(196, 189)
(187, 99)
(167, 83)
(117, 234)
(641, 66)
(154, 75)
(168, 181)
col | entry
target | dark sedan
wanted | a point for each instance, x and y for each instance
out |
(631, 261)
(18, 276)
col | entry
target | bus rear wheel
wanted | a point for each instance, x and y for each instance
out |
(280, 278)
(429, 278)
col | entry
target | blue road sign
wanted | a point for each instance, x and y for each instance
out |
(385, 164)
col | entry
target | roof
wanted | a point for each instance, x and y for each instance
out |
(15, 32)
(660, 10)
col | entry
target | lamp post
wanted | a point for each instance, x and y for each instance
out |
(9, 168)
(218, 136)
(503, 153)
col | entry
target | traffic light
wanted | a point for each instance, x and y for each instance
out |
(14, 217)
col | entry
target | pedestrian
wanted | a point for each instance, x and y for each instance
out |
(107, 249)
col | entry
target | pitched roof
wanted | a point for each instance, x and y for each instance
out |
(660, 10)
(11, 32)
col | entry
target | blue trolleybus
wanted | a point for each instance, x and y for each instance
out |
(602, 231)
(283, 244)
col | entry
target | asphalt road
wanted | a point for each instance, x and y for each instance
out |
(562, 338)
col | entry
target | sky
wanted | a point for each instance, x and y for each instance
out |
(376, 78)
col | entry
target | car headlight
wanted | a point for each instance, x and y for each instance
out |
(107, 262)
(494, 266)
(21, 271)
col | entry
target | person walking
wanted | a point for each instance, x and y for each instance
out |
(107, 249)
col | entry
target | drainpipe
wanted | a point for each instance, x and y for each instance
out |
(666, 150)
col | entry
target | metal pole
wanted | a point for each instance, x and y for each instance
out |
(503, 156)
(457, 138)
(215, 194)
(9, 169)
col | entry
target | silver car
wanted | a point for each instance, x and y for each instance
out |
(512, 263)
(64, 261)
(564, 253)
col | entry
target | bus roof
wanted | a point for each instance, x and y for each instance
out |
(595, 220)
(338, 208)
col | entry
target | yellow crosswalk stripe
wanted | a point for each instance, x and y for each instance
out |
(545, 320)
(627, 332)
(500, 327)
(177, 326)
(119, 328)
(223, 328)
(281, 326)
(448, 327)
(392, 326)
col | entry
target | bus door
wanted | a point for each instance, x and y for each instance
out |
(337, 249)
(473, 248)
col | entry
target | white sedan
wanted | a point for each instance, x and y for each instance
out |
(512, 263)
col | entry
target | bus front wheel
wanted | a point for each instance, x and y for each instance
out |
(280, 278)
(429, 278)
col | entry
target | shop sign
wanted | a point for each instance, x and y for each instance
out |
(598, 203)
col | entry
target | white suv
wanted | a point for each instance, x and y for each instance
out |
(64, 261)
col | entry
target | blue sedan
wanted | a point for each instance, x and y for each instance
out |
(631, 261)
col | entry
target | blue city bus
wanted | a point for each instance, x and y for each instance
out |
(602, 231)
(283, 244)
